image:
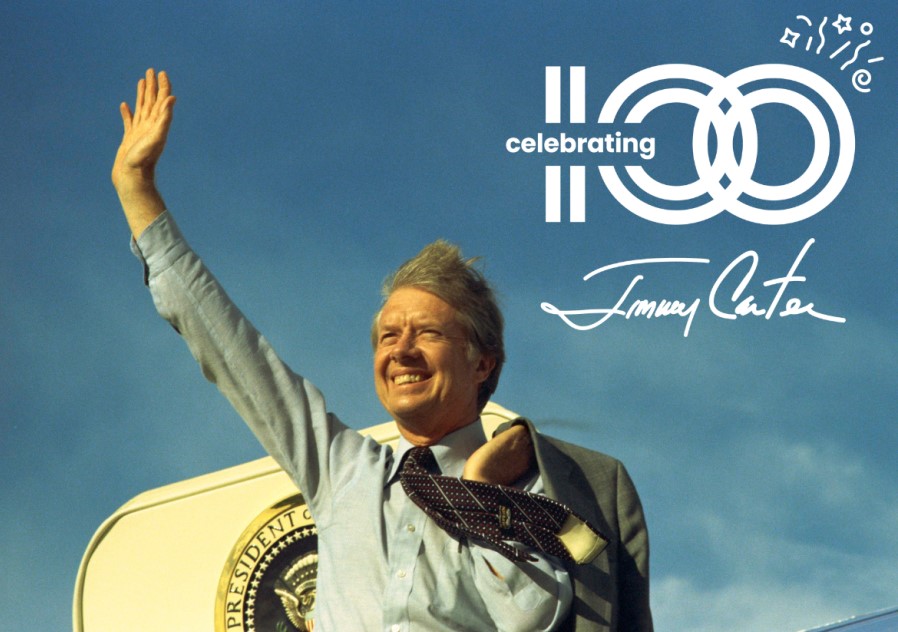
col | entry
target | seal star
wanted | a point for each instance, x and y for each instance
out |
(842, 24)
(790, 37)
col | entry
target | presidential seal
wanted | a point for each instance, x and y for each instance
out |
(268, 583)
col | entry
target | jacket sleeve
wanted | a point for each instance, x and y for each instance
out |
(611, 593)
(633, 562)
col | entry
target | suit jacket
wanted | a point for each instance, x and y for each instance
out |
(611, 593)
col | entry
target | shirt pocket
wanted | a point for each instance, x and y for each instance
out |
(457, 602)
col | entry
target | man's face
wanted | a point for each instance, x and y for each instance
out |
(424, 374)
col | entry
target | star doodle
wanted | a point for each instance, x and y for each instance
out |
(790, 37)
(842, 24)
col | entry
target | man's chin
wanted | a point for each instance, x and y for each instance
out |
(419, 421)
(412, 419)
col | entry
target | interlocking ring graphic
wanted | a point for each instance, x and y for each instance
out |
(738, 173)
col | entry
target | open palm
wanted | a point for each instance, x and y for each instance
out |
(145, 130)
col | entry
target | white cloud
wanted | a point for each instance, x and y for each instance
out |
(755, 572)
(743, 606)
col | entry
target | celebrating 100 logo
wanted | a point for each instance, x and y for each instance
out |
(723, 181)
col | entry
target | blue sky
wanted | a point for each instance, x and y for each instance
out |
(315, 149)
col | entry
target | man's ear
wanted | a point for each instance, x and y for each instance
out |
(484, 368)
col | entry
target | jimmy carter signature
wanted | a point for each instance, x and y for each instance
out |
(736, 306)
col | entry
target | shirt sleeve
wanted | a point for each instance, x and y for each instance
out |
(286, 412)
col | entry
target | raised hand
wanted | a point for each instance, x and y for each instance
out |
(503, 459)
(146, 130)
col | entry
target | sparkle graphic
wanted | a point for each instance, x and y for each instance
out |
(860, 78)
(789, 37)
(842, 24)
(854, 57)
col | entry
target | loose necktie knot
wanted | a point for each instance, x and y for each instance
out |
(420, 460)
(496, 514)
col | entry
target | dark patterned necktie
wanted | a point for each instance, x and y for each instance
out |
(496, 514)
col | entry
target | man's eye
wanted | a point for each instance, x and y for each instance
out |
(388, 338)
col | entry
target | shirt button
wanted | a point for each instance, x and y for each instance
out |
(395, 627)
(400, 574)
(410, 528)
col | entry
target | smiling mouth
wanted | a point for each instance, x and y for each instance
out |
(408, 378)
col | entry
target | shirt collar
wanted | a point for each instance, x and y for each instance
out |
(451, 451)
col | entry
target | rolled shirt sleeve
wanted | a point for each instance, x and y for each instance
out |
(286, 412)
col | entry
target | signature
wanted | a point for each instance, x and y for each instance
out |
(738, 305)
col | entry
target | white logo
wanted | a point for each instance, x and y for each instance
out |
(725, 181)
(725, 166)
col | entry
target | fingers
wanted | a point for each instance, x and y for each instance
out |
(153, 99)
(149, 94)
(126, 116)
(164, 85)
(146, 96)
(163, 104)
(166, 110)
(138, 102)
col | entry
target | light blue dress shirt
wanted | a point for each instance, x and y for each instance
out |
(383, 565)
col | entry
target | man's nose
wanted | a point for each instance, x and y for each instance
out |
(405, 346)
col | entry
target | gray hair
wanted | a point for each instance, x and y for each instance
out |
(441, 270)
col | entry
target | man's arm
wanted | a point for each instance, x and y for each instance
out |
(146, 130)
(286, 412)
(133, 175)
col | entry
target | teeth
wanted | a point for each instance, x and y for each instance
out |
(406, 379)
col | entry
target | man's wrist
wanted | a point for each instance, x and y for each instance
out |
(141, 201)
(130, 183)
